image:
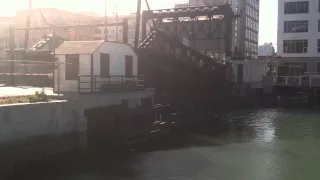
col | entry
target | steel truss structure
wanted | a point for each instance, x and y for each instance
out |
(194, 23)
(180, 71)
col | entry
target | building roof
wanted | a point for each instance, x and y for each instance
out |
(78, 47)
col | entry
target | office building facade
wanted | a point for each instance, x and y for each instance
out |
(298, 43)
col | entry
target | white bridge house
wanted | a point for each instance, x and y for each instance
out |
(95, 66)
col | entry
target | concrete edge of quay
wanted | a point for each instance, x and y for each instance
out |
(32, 131)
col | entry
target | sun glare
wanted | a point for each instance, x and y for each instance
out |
(97, 6)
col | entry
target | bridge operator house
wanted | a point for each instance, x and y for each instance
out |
(90, 66)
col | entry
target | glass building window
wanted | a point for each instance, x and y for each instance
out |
(319, 45)
(292, 69)
(296, 7)
(295, 46)
(296, 26)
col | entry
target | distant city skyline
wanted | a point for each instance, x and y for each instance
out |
(268, 10)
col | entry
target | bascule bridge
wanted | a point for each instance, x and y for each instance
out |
(175, 55)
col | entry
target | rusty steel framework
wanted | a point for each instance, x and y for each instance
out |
(194, 23)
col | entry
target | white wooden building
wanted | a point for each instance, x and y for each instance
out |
(94, 63)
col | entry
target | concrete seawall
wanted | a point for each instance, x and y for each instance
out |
(22, 121)
(32, 131)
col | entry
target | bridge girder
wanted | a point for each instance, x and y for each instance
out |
(195, 24)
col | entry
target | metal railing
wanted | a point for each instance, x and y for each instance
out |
(114, 83)
(299, 81)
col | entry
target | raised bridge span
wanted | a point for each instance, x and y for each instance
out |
(180, 71)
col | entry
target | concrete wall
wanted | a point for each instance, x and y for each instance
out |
(23, 121)
(30, 132)
(81, 102)
(253, 72)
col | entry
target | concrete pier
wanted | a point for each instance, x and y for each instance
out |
(33, 131)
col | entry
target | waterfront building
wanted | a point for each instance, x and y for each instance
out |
(298, 44)
(85, 65)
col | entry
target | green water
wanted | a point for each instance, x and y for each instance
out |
(262, 144)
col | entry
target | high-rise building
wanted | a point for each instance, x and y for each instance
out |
(298, 42)
(246, 28)
(266, 49)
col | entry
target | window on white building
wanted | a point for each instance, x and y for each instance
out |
(296, 26)
(295, 46)
(296, 7)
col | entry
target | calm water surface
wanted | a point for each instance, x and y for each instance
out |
(261, 144)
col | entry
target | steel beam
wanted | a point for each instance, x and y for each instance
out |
(68, 26)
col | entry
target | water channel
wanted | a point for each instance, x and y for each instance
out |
(258, 144)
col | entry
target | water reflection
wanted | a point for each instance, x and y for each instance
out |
(256, 144)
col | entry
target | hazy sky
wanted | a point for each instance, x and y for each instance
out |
(268, 10)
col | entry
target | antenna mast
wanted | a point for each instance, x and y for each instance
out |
(136, 36)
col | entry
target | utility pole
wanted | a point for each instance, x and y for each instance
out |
(11, 52)
(105, 21)
(26, 40)
(117, 22)
(136, 36)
